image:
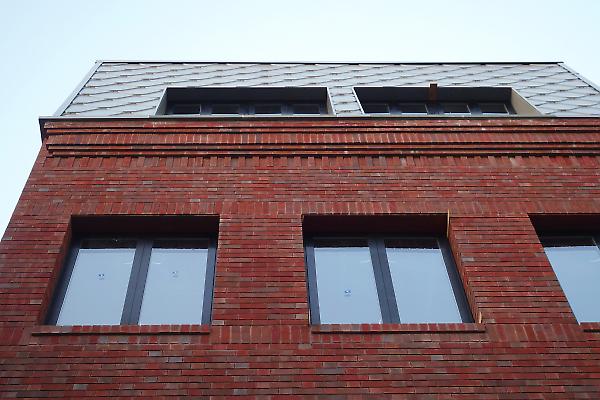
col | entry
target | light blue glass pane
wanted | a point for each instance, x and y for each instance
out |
(422, 286)
(97, 289)
(578, 271)
(174, 291)
(346, 286)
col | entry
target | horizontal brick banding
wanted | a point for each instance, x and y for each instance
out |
(404, 137)
(260, 177)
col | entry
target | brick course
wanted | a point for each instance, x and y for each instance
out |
(260, 177)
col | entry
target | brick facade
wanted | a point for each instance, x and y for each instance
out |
(260, 177)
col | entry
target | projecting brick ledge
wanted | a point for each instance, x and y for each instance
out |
(120, 330)
(398, 328)
(324, 137)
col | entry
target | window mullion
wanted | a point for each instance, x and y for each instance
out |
(137, 283)
(510, 108)
(387, 281)
(135, 268)
(434, 109)
(382, 293)
(475, 109)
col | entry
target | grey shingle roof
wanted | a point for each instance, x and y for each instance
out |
(134, 89)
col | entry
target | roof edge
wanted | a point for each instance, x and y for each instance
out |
(63, 107)
(165, 118)
(591, 83)
(328, 62)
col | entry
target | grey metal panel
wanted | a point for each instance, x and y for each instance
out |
(134, 88)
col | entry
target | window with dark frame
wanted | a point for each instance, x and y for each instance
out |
(576, 263)
(383, 279)
(137, 280)
(248, 108)
(449, 101)
(262, 101)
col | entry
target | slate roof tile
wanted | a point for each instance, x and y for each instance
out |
(135, 88)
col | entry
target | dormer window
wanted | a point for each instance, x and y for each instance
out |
(443, 101)
(190, 101)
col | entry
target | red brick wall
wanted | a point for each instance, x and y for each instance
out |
(261, 178)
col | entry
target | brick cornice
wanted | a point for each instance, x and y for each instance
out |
(324, 137)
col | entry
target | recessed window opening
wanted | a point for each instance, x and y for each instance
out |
(572, 245)
(144, 279)
(245, 101)
(383, 279)
(576, 263)
(449, 101)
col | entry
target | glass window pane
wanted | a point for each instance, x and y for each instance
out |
(376, 108)
(421, 283)
(346, 283)
(267, 109)
(455, 108)
(185, 109)
(174, 291)
(98, 284)
(307, 108)
(576, 263)
(413, 108)
(493, 108)
(225, 108)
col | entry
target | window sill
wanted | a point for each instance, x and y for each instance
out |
(44, 330)
(590, 326)
(399, 328)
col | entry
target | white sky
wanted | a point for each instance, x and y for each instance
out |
(46, 47)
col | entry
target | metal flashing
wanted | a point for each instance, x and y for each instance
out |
(325, 62)
(578, 75)
(77, 89)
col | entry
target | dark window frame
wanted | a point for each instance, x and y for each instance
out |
(595, 238)
(437, 108)
(246, 108)
(199, 101)
(382, 275)
(431, 100)
(139, 274)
